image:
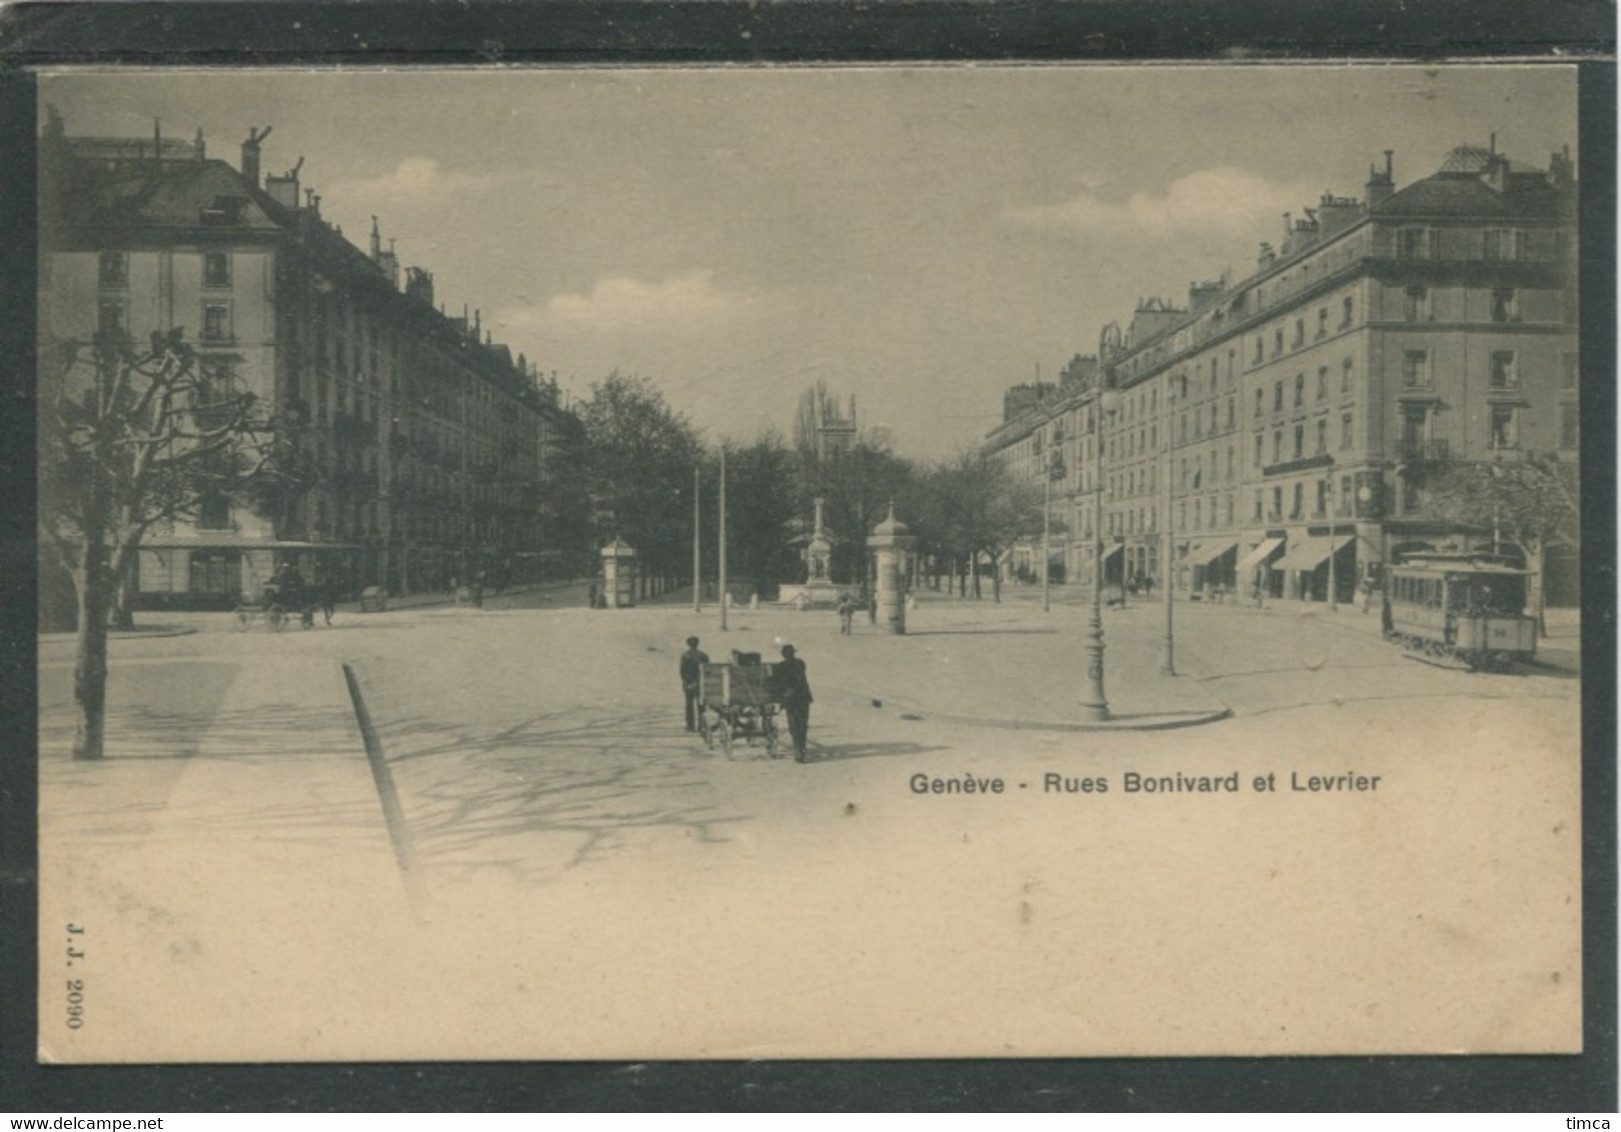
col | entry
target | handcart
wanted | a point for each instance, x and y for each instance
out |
(738, 702)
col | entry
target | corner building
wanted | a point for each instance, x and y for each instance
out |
(1285, 426)
(422, 450)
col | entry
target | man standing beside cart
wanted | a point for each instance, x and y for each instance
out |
(692, 662)
(793, 690)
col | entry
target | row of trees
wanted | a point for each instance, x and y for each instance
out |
(131, 436)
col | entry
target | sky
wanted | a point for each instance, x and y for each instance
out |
(920, 237)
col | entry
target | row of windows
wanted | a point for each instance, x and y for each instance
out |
(113, 270)
(214, 322)
(1502, 370)
(1324, 499)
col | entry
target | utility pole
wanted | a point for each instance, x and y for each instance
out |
(697, 576)
(723, 601)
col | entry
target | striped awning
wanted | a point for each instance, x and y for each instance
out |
(1310, 553)
(1208, 552)
(1259, 555)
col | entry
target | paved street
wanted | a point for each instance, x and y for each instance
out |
(597, 881)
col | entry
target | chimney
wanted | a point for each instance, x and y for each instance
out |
(1380, 186)
(1336, 214)
(284, 189)
(376, 241)
(1560, 173)
(250, 154)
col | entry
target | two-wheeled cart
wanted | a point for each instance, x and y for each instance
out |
(737, 704)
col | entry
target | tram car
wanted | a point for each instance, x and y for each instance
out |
(1468, 609)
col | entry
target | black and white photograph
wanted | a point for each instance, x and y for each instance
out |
(804, 562)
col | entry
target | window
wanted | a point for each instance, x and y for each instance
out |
(1260, 445)
(1260, 401)
(1300, 332)
(1230, 454)
(1232, 411)
(1277, 445)
(1345, 495)
(1300, 390)
(1416, 304)
(1322, 435)
(1322, 322)
(216, 571)
(216, 322)
(110, 317)
(1277, 342)
(1345, 430)
(1412, 243)
(1277, 397)
(1345, 375)
(214, 514)
(1300, 441)
(216, 269)
(1505, 244)
(1277, 503)
(1322, 497)
(1259, 515)
(1502, 372)
(1505, 305)
(1299, 507)
(114, 269)
(1347, 311)
(1569, 425)
(1502, 427)
(1415, 368)
(1322, 383)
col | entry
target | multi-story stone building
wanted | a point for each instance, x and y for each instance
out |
(416, 448)
(1282, 428)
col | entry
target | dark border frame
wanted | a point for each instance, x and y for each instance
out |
(643, 32)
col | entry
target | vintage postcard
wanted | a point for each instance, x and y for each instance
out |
(809, 562)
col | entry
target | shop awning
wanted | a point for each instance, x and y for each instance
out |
(1309, 553)
(1207, 552)
(1110, 551)
(1260, 554)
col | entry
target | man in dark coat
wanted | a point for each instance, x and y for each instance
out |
(691, 677)
(793, 688)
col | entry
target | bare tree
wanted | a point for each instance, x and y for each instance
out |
(128, 438)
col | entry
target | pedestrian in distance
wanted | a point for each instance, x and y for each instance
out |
(793, 691)
(591, 596)
(692, 674)
(478, 590)
(847, 612)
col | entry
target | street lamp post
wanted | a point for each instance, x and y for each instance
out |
(1095, 705)
(1167, 664)
(1333, 580)
(1051, 467)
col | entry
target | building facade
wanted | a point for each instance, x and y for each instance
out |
(1281, 430)
(412, 448)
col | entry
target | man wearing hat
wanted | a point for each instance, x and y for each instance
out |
(691, 676)
(794, 689)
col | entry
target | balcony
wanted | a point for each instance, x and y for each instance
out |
(1417, 451)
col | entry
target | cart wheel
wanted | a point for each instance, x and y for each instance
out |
(725, 728)
(275, 617)
(244, 618)
(768, 726)
(704, 730)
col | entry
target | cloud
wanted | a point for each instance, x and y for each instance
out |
(685, 303)
(415, 180)
(1220, 200)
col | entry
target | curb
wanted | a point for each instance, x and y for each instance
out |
(1139, 721)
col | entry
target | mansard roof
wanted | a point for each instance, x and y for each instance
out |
(1465, 194)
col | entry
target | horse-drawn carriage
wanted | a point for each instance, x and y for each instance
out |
(739, 702)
